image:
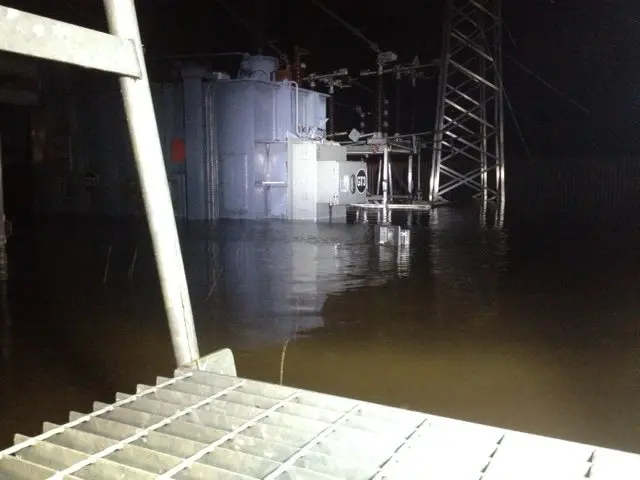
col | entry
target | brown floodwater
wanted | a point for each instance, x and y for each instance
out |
(530, 327)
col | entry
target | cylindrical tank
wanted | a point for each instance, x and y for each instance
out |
(258, 67)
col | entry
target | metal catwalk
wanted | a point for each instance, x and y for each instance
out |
(468, 150)
(209, 423)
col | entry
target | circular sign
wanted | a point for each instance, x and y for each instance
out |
(361, 181)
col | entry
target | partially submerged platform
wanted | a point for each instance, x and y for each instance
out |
(421, 207)
(206, 422)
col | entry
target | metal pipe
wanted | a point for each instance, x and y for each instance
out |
(297, 109)
(390, 168)
(419, 158)
(212, 151)
(415, 134)
(401, 69)
(410, 176)
(274, 115)
(385, 175)
(339, 134)
(145, 142)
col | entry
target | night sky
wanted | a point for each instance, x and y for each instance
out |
(586, 49)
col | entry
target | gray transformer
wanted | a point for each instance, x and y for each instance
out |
(253, 149)
(272, 159)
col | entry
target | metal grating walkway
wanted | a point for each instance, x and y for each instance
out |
(208, 423)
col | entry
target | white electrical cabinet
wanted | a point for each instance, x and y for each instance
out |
(322, 182)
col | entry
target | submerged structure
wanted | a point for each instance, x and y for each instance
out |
(249, 147)
(205, 422)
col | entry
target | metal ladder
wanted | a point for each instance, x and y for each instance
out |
(120, 53)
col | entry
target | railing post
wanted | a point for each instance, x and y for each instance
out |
(147, 150)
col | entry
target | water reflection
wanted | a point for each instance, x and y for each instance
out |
(273, 278)
(467, 258)
(491, 214)
(530, 328)
(395, 259)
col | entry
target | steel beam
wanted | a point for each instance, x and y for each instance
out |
(145, 140)
(35, 36)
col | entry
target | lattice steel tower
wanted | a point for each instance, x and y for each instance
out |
(468, 150)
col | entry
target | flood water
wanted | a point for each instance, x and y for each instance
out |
(530, 327)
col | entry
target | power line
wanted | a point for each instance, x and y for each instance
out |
(547, 84)
(508, 30)
(538, 77)
(247, 25)
(515, 121)
(372, 45)
(506, 97)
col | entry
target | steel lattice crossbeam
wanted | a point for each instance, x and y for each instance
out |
(468, 146)
(208, 424)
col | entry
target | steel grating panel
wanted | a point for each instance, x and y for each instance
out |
(209, 423)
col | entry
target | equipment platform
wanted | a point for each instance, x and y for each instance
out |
(206, 422)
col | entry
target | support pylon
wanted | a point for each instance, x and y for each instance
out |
(468, 144)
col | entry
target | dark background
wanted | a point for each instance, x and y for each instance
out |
(586, 49)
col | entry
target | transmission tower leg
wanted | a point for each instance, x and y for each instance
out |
(468, 143)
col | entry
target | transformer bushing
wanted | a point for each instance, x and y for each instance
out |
(468, 150)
